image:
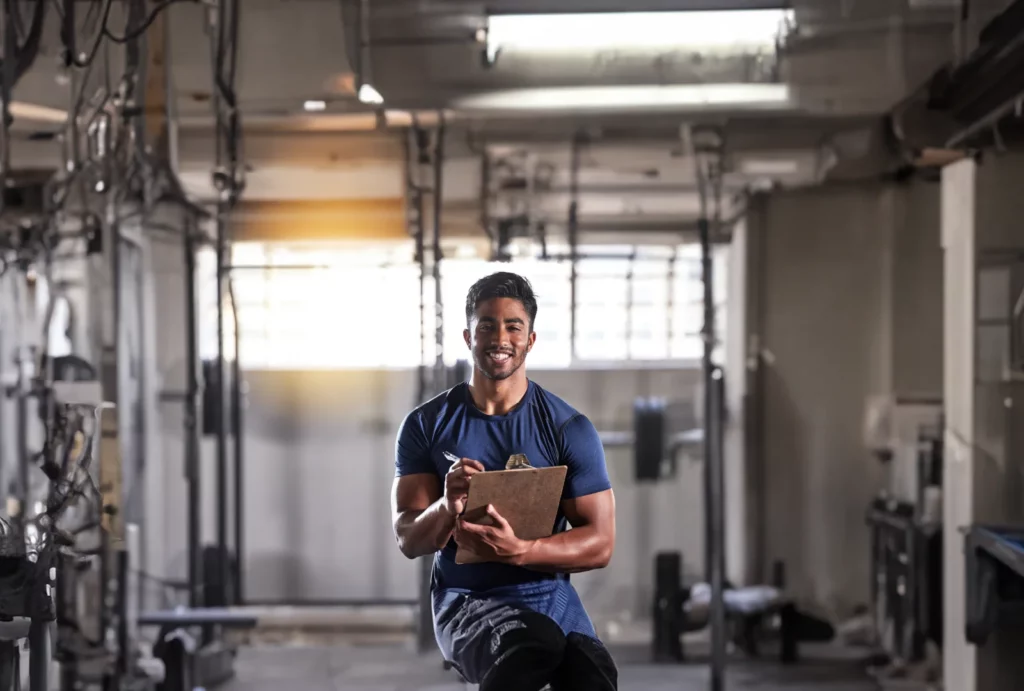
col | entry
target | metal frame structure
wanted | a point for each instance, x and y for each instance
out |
(707, 148)
(425, 178)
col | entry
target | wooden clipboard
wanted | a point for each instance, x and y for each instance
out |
(528, 498)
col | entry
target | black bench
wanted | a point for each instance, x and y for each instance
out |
(187, 664)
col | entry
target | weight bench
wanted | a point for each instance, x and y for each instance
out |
(187, 663)
(748, 608)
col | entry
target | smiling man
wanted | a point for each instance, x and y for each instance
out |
(515, 622)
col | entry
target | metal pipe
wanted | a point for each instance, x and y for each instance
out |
(437, 256)
(191, 430)
(708, 334)
(39, 656)
(363, 55)
(9, 75)
(573, 228)
(221, 390)
(414, 188)
(327, 602)
(238, 433)
(991, 119)
(715, 443)
(132, 587)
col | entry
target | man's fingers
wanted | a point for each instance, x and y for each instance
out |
(498, 518)
(470, 466)
(473, 528)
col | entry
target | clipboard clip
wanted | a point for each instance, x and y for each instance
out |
(517, 461)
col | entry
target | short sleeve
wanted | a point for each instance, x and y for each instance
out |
(583, 453)
(412, 451)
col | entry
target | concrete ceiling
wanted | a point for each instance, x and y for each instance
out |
(849, 61)
(848, 57)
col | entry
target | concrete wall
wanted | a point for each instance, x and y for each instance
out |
(846, 304)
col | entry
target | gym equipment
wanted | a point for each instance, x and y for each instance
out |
(669, 598)
(995, 580)
(906, 538)
(649, 439)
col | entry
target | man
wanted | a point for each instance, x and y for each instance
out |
(514, 622)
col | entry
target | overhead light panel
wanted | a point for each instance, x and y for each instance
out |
(769, 167)
(314, 106)
(699, 32)
(649, 98)
(370, 96)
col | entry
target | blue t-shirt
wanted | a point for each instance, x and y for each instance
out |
(544, 428)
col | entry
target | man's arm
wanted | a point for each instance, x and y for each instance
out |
(420, 517)
(589, 545)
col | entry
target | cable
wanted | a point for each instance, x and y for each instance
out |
(98, 41)
(148, 22)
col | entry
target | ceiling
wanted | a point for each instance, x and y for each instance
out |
(846, 65)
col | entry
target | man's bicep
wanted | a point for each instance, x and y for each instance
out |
(596, 510)
(413, 494)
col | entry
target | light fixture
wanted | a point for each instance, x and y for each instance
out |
(699, 32)
(672, 98)
(314, 106)
(370, 96)
(769, 167)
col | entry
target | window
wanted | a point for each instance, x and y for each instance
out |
(337, 305)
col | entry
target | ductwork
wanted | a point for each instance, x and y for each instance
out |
(984, 95)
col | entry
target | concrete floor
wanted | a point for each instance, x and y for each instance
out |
(395, 668)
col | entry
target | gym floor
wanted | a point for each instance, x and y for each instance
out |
(395, 668)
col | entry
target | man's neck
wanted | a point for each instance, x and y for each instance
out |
(495, 397)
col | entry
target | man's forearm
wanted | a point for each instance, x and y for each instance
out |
(573, 551)
(424, 532)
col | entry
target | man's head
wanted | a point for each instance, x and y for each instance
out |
(500, 311)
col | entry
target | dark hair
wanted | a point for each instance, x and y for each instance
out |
(503, 284)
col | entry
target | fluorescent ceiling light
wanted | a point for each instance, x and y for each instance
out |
(370, 96)
(732, 30)
(770, 167)
(314, 106)
(632, 98)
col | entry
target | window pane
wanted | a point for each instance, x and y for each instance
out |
(632, 303)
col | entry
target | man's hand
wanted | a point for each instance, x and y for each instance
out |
(456, 484)
(491, 539)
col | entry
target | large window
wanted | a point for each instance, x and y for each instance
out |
(315, 305)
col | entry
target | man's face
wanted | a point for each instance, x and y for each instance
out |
(499, 336)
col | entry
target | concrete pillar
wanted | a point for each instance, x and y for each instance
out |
(737, 532)
(984, 399)
(958, 244)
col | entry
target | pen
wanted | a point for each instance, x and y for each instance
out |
(451, 457)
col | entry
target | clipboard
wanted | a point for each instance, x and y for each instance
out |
(528, 498)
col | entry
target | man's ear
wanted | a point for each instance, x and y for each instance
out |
(467, 339)
(531, 341)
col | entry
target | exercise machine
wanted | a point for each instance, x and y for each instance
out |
(905, 525)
